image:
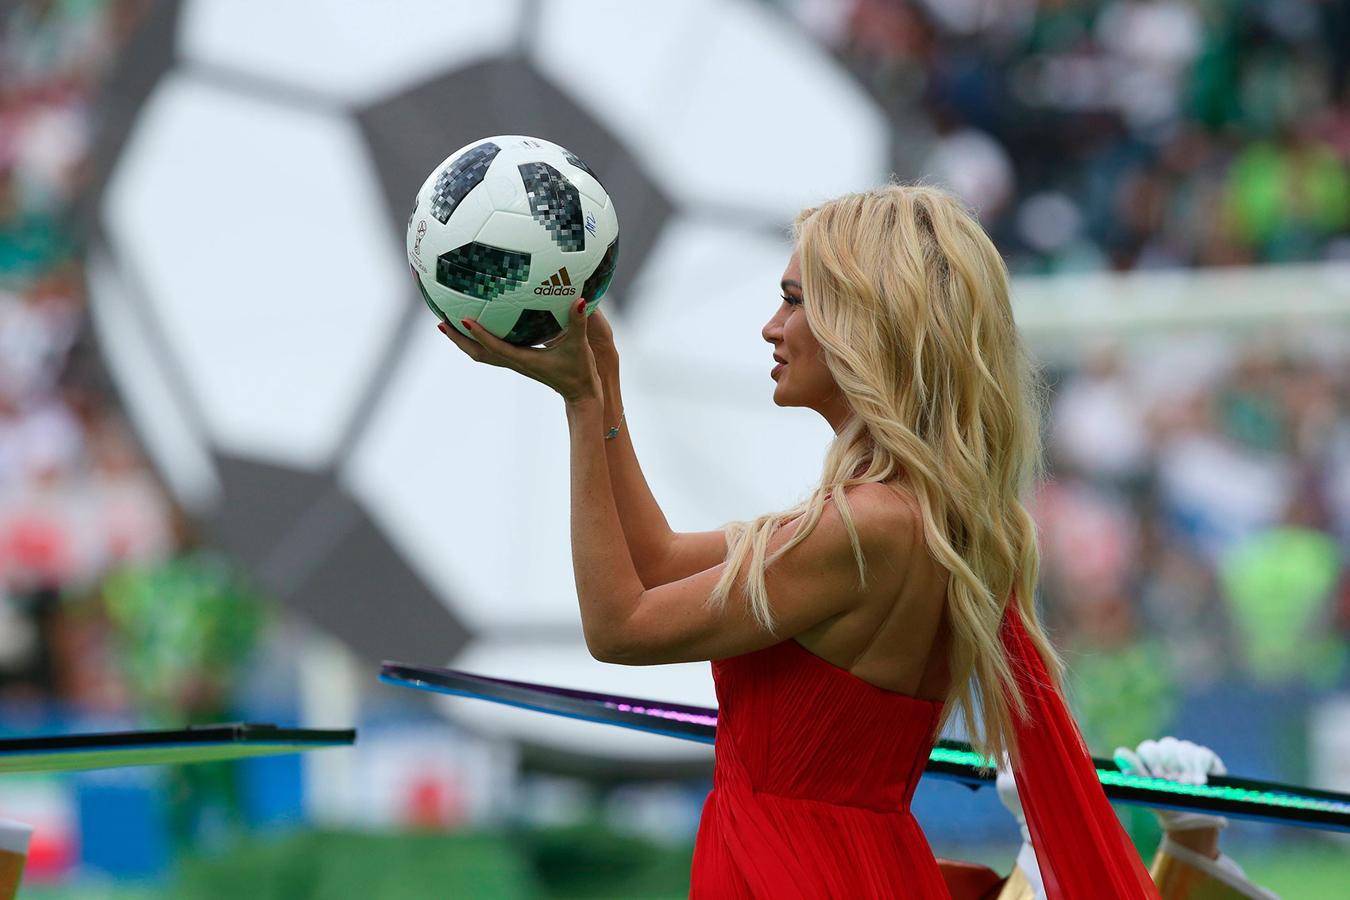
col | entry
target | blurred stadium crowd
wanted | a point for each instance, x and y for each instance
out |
(108, 612)
(1120, 134)
(1194, 532)
(1196, 523)
(76, 495)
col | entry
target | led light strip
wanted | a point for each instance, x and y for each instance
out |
(1243, 798)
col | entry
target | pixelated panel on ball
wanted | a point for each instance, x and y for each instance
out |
(460, 177)
(482, 271)
(555, 205)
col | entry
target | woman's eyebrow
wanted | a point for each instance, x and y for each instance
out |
(789, 281)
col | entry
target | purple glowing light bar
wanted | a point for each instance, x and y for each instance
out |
(661, 712)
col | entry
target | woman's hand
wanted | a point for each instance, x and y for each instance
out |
(601, 337)
(568, 365)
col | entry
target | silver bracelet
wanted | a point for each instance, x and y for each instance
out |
(615, 428)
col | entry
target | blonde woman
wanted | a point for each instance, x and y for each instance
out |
(844, 632)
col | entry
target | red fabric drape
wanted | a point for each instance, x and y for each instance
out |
(1082, 850)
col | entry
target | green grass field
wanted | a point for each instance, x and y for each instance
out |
(540, 864)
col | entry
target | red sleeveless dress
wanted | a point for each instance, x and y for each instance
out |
(814, 771)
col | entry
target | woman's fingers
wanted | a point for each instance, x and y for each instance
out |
(472, 349)
(567, 365)
(598, 327)
(497, 351)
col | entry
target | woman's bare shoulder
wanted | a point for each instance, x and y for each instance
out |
(891, 506)
(888, 494)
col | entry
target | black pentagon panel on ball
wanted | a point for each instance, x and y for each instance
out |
(482, 271)
(579, 163)
(460, 177)
(598, 283)
(533, 327)
(555, 204)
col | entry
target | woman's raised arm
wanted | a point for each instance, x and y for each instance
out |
(659, 554)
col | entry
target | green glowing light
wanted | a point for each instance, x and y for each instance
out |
(1207, 791)
(1215, 792)
(959, 757)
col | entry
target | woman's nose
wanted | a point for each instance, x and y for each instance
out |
(772, 331)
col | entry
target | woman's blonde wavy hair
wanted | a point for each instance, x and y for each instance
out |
(908, 299)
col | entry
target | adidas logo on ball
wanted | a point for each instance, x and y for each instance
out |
(557, 284)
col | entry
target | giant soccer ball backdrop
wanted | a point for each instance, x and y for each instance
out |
(495, 229)
(251, 296)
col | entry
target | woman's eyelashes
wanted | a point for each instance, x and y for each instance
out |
(791, 301)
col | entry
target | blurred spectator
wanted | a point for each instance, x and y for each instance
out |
(1280, 585)
(1181, 605)
(1089, 539)
(1153, 43)
(1288, 196)
(185, 629)
(974, 165)
(1120, 680)
(1215, 493)
(185, 632)
(1099, 422)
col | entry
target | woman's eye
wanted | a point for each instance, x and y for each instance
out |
(791, 301)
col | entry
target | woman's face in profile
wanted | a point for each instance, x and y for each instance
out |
(800, 374)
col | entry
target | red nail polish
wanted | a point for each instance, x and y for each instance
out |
(581, 305)
(467, 324)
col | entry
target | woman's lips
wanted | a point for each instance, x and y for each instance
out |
(776, 369)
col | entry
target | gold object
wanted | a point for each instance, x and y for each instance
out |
(14, 838)
(1175, 876)
(1016, 887)
(1178, 878)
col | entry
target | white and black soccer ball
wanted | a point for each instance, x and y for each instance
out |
(510, 231)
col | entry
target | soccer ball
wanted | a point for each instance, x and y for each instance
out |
(507, 231)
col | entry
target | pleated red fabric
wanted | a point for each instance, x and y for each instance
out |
(814, 772)
(1081, 848)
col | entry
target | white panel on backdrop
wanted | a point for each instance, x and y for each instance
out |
(724, 100)
(709, 462)
(696, 377)
(264, 250)
(352, 52)
(466, 467)
(707, 292)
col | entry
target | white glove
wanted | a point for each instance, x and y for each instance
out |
(1007, 792)
(1180, 761)
(1026, 855)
